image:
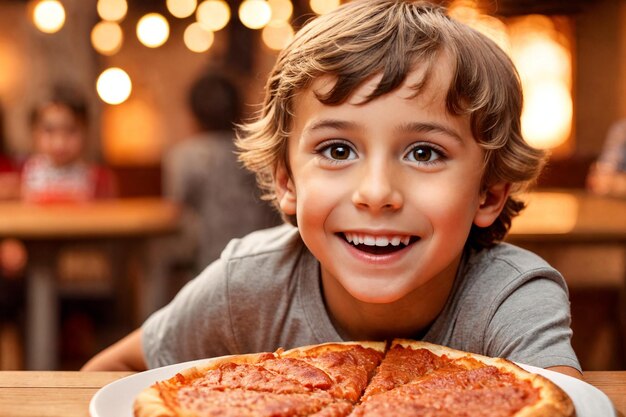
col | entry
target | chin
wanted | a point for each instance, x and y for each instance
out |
(376, 297)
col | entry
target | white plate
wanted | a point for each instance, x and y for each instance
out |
(116, 399)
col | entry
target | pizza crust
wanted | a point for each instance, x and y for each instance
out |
(322, 347)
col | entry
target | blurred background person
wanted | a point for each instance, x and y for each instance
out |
(219, 198)
(58, 171)
(607, 175)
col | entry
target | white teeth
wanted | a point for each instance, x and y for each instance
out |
(382, 241)
(369, 240)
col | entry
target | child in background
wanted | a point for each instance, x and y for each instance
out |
(390, 139)
(57, 171)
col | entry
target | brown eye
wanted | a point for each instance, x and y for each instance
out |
(341, 152)
(422, 154)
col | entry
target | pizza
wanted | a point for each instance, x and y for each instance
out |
(356, 379)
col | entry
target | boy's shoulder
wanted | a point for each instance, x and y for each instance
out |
(283, 238)
(506, 266)
(506, 255)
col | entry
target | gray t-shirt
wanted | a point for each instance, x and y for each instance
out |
(264, 293)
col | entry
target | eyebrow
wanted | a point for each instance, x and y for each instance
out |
(420, 127)
(331, 124)
(417, 127)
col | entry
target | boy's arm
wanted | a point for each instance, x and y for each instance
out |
(125, 355)
(567, 370)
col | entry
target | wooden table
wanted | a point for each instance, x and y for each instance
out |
(570, 216)
(46, 228)
(67, 394)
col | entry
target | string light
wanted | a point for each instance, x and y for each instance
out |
(276, 35)
(213, 15)
(107, 37)
(114, 86)
(255, 14)
(49, 16)
(153, 30)
(181, 8)
(112, 10)
(324, 6)
(281, 10)
(198, 39)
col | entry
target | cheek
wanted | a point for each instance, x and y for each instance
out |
(451, 209)
(317, 197)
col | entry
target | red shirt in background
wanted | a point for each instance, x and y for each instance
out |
(44, 182)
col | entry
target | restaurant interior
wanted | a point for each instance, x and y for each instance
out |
(134, 60)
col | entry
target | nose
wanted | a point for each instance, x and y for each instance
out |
(378, 188)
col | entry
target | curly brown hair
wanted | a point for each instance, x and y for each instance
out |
(388, 37)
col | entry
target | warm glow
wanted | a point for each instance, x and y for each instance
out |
(49, 16)
(552, 213)
(547, 115)
(114, 86)
(276, 35)
(107, 37)
(198, 39)
(543, 60)
(181, 8)
(153, 30)
(255, 14)
(324, 6)
(112, 10)
(537, 57)
(213, 15)
(132, 133)
(281, 10)
(12, 67)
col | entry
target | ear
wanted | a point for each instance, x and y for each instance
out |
(285, 190)
(492, 202)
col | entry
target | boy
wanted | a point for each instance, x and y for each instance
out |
(390, 135)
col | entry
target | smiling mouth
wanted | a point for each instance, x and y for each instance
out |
(378, 245)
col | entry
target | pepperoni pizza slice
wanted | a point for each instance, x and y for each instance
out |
(323, 381)
(423, 379)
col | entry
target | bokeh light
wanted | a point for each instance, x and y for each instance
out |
(181, 8)
(153, 30)
(112, 10)
(197, 38)
(281, 10)
(276, 35)
(213, 15)
(107, 37)
(114, 86)
(255, 14)
(49, 16)
(324, 6)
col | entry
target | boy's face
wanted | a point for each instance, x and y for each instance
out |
(385, 193)
(59, 134)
